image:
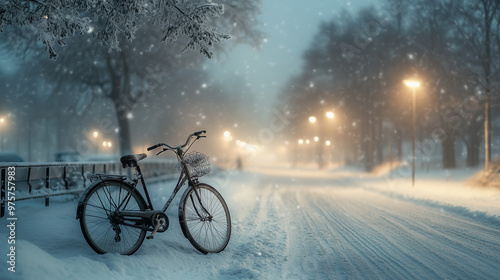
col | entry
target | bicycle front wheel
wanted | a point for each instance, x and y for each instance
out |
(101, 223)
(205, 219)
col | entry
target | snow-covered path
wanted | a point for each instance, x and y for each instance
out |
(286, 225)
(336, 230)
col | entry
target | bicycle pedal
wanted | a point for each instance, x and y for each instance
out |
(152, 236)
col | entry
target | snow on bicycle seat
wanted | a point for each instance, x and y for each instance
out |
(131, 160)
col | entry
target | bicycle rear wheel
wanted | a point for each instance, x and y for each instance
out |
(101, 222)
(207, 225)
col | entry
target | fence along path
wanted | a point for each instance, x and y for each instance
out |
(43, 180)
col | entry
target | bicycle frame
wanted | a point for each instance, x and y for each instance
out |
(183, 177)
(146, 216)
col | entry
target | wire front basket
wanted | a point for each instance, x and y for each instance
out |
(198, 164)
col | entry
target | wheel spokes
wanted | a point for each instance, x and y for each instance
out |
(208, 228)
(104, 227)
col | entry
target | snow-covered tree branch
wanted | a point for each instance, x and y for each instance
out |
(53, 21)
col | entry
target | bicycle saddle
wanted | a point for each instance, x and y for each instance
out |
(131, 160)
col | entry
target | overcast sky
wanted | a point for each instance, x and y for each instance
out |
(289, 27)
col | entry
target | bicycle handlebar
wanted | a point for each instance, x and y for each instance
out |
(154, 147)
(197, 134)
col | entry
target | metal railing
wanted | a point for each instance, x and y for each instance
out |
(43, 180)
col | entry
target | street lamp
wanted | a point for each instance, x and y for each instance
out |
(319, 125)
(301, 141)
(413, 85)
(95, 134)
(226, 137)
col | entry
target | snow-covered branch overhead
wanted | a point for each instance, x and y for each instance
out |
(55, 20)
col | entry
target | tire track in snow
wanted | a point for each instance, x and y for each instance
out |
(350, 254)
(261, 241)
(355, 234)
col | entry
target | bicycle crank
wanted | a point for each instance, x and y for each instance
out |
(160, 224)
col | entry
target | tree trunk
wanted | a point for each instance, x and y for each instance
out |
(473, 146)
(123, 132)
(367, 135)
(379, 138)
(120, 92)
(448, 153)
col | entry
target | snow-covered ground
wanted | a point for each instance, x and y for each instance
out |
(290, 224)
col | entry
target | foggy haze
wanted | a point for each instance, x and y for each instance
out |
(240, 76)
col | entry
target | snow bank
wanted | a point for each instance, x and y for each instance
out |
(447, 190)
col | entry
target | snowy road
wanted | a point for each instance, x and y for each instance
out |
(286, 225)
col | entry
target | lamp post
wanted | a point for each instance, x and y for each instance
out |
(227, 137)
(95, 136)
(313, 120)
(413, 85)
(2, 124)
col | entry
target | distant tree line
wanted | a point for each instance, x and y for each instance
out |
(356, 64)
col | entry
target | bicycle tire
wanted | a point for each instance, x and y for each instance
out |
(96, 222)
(211, 235)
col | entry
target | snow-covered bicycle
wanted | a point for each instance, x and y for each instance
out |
(114, 216)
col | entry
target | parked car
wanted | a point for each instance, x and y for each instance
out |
(10, 157)
(68, 156)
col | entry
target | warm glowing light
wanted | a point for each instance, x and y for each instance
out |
(104, 144)
(227, 134)
(312, 119)
(109, 144)
(2, 120)
(316, 138)
(307, 141)
(241, 143)
(330, 115)
(412, 84)
(95, 134)
(328, 143)
(301, 141)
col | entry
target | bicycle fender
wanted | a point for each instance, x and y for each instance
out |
(181, 210)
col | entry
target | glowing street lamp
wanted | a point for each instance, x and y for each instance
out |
(95, 134)
(413, 85)
(316, 138)
(328, 143)
(312, 119)
(301, 141)
(307, 141)
(330, 115)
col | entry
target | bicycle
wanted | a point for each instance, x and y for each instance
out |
(114, 216)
